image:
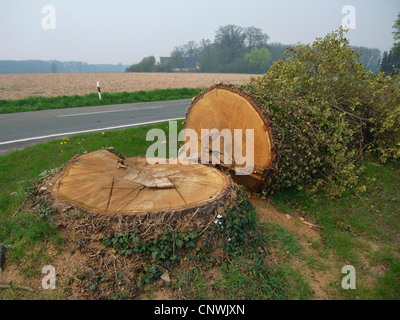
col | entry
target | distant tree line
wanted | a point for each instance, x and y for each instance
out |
(146, 65)
(390, 62)
(370, 57)
(234, 50)
(54, 66)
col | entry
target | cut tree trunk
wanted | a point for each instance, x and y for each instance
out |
(103, 183)
(226, 107)
(141, 195)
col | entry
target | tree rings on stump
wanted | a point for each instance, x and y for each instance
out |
(226, 107)
(140, 195)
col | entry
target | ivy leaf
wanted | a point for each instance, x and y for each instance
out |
(179, 243)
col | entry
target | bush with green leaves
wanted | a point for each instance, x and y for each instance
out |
(326, 110)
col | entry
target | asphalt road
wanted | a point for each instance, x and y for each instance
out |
(23, 129)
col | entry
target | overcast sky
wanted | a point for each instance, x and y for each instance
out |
(125, 31)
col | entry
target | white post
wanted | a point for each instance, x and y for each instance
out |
(98, 89)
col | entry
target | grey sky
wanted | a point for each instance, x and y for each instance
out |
(125, 31)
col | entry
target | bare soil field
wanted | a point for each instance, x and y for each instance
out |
(19, 86)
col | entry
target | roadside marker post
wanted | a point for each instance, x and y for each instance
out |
(98, 89)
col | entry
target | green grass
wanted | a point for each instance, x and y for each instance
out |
(244, 280)
(358, 225)
(388, 286)
(92, 99)
(256, 280)
(284, 239)
(244, 272)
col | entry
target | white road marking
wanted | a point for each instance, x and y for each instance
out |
(108, 111)
(82, 114)
(88, 131)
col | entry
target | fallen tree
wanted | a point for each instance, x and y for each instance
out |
(312, 117)
(315, 115)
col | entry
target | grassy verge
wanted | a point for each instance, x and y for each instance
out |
(361, 228)
(232, 264)
(45, 103)
(246, 259)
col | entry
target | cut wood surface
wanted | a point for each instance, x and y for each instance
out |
(101, 182)
(225, 107)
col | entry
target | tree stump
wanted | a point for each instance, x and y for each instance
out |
(226, 107)
(135, 194)
(103, 183)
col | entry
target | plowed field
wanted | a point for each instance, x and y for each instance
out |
(18, 86)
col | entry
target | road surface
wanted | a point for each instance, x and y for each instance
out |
(23, 129)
